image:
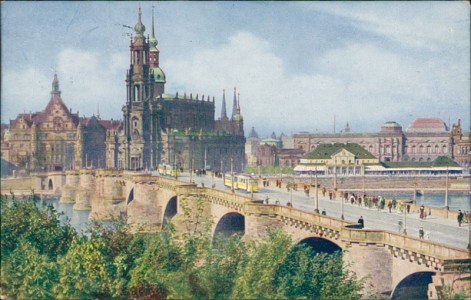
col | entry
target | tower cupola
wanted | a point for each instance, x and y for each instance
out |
(139, 27)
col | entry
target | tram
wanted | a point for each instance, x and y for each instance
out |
(168, 170)
(241, 182)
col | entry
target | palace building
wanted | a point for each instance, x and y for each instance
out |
(424, 140)
(55, 138)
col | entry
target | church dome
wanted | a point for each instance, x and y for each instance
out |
(391, 124)
(159, 75)
(391, 127)
(428, 125)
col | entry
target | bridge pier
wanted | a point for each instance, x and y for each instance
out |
(109, 200)
(85, 191)
(69, 190)
(372, 261)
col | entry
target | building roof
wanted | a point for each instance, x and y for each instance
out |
(391, 124)
(325, 151)
(428, 125)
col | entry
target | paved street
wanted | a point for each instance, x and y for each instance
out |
(436, 229)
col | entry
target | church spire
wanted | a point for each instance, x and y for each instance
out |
(234, 105)
(139, 27)
(153, 41)
(223, 110)
(55, 86)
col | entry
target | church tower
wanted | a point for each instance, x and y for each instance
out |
(137, 111)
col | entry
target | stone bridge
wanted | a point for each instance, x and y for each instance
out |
(396, 265)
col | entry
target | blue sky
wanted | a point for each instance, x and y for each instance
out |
(296, 65)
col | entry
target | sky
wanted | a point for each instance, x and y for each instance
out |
(298, 66)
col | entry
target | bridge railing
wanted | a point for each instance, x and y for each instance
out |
(401, 241)
(295, 214)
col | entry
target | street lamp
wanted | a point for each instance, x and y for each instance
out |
(317, 194)
(232, 174)
(446, 189)
(405, 221)
(174, 133)
(191, 169)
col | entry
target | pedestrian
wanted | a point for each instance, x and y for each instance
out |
(460, 217)
(421, 233)
(422, 212)
(390, 205)
(361, 222)
(399, 225)
(408, 208)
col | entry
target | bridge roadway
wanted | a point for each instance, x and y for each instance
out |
(436, 229)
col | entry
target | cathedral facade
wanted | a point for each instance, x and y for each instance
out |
(175, 129)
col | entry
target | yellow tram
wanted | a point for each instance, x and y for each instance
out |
(241, 182)
(168, 170)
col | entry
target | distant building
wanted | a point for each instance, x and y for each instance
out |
(424, 140)
(55, 138)
(290, 157)
(251, 145)
(337, 158)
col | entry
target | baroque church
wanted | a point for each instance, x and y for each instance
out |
(175, 129)
(157, 127)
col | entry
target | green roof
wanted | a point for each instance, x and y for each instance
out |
(441, 161)
(325, 151)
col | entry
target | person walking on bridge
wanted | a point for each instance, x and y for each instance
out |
(361, 222)
(460, 217)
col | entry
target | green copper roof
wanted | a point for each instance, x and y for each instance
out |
(159, 75)
(325, 151)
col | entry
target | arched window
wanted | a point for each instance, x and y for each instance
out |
(437, 149)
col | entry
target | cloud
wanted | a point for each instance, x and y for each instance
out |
(438, 25)
(87, 79)
(20, 92)
(362, 83)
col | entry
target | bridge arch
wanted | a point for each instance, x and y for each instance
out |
(230, 224)
(170, 210)
(130, 196)
(413, 286)
(320, 245)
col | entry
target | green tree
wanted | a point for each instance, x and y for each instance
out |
(28, 274)
(39, 226)
(83, 271)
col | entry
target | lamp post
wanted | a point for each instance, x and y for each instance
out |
(291, 191)
(405, 221)
(174, 134)
(446, 189)
(191, 170)
(317, 194)
(415, 192)
(232, 174)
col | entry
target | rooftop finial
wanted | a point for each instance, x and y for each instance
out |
(234, 105)
(55, 85)
(139, 28)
